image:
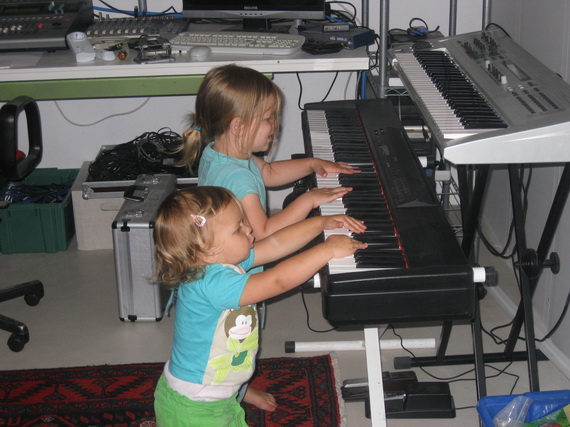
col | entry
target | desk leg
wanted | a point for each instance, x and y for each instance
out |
(374, 369)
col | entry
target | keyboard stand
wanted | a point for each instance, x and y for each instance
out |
(530, 268)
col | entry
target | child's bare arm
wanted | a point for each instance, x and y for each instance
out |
(297, 270)
(284, 172)
(296, 211)
(296, 236)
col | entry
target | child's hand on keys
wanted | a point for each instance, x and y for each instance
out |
(343, 246)
(348, 222)
(318, 196)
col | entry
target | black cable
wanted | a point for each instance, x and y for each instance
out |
(422, 368)
(492, 24)
(412, 33)
(497, 339)
(342, 15)
(300, 92)
(488, 245)
(149, 153)
(456, 378)
(113, 8)
(330, 87)
(308, 316)
(299, 99)
(131, 14)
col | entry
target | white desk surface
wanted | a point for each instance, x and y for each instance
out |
(61, 65)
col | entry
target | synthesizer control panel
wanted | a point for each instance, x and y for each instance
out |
(41, 24)
(117, 28)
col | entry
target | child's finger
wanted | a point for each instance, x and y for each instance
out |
(355, 225)
(347, 168)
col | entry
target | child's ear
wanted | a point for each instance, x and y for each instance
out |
(235, 126)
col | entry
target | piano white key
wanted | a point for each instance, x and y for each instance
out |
(443, 116)
(321, 146)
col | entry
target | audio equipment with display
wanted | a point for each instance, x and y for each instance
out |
(41, 24)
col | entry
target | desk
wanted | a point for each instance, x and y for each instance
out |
(56, 75)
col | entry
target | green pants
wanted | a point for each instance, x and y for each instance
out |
(174, 410)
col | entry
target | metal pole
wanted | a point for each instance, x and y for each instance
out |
(384, 12)
(365, 13)
(452, 17)
(486, 13)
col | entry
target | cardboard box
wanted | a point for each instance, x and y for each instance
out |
(93, 216)
(95, 206)
(39, 227)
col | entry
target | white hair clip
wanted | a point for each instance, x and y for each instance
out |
(199, 220)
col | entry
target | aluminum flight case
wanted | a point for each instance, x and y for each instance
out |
(140, 297)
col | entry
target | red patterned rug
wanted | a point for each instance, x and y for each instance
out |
(122, 395)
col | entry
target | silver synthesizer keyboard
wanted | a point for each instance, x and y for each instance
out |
(486, 100)
(239, 42)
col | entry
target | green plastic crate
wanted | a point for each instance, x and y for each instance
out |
(39, 227)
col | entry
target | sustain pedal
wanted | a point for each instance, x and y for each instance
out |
(395, 384)
(421, 400)
(404, 396)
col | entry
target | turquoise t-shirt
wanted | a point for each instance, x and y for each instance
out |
(241, 177)
(215, 340)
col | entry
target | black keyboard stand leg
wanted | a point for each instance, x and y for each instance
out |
(526, 296)
(444, 340)
(478, 352)
(531, 265)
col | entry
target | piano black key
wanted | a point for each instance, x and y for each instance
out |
(374, 212)
(399, 271)
(390, 238)
(473, 111)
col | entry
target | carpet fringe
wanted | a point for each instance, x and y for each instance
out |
(338, 385)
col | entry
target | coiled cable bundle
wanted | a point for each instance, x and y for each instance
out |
(20, 193)
(149, 153)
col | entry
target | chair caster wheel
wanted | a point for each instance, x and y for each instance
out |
(16, 343)
(33, 299)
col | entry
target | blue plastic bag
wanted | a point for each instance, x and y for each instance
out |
(544, 402)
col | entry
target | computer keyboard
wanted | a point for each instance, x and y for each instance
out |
(238, 42)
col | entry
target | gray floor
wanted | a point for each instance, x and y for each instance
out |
(77, 324)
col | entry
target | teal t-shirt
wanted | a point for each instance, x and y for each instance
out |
(241, 177)
(215, 340)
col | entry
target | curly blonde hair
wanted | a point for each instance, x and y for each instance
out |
(228, 92)
(179, 241)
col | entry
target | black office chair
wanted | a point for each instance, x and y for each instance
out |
(14, 169)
